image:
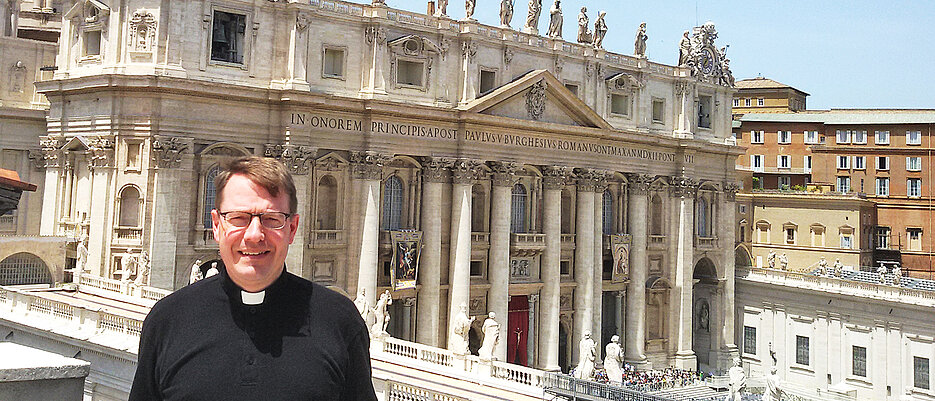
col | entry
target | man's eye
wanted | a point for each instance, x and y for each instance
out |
(273, 221)
(239, 220)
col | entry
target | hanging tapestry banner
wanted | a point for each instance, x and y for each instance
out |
(620, 248)
(407, 246)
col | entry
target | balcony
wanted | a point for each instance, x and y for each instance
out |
(705, 242)
(480, 240)
(522, 244)
(128, 236)
(8, 223)
(326, 239)
(568, 242)
(657, 241)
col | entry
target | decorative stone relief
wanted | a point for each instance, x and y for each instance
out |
(468, 51)
(433, 170)
(684, 87)
(519, 269)
(730, 190)
(463, 171)
(478, 306)
(503, 173)
(535, 100)
(368, 165)
(507, 56)
(100, 152)
(301, 21)
(624, 82)
(443, 46)
(682, 186)
(639, 183)
(376, 34)
(17, 77)
(142, 31)
(168, 151)
(586, 179)
(565, 301)
(49, 153)
(296, 158)
(559, 64)
(706, 62)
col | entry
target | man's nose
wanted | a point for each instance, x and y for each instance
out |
(254, 230)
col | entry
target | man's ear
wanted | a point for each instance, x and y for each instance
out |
(293, 226)
(216, 225)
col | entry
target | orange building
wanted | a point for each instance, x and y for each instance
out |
(762, 95)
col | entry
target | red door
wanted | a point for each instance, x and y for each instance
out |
(516, 332)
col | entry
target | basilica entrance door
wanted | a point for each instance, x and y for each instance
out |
(516, 330)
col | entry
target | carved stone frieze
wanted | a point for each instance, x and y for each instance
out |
(434, 170)
(682, 186)
(301, 21)
(730, 190)
(554, 177)
(368, 165)
(100, 152)
(168, 151)
(142, 36)
(49, 153)
(684, 88)
(376, 34)
(468, 51)
(535, 100)
(559, 64)
(297, 159)
(507, 56)
(503, 173)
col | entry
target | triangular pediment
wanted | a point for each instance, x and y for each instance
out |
(537, 96)
(76, 144)
(90, 10)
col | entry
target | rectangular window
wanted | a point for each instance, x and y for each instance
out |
(659, 110)
(785, 182)
(227, 38)
(761, 102)
(860, 361)
(783, 161)
(133, 155)
(811, 137)
(756, 136)
(913, 163)
(844, 184)
(846, 242)
(860, 137)
(488, 81)
(790, 236)
(333, 64)
(572, 88)
(843, 136)
(920, 372)
(736, 102)
(914, 187)
(564, 268)
(801, 350)
(843, 162)
(883, 237)
(914, 238)
(860, 162)
(756, 163)
(477, 268)
(620, 104)
(883, 162)
(913, 137)
(704, 111)
(749, 340)
(746, 102)
(883, 186)
(882, 137)
(784, 137)
(409, 72)
(807, 164)
(92, 43)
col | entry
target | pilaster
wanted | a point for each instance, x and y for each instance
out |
(298, 160)
(298, 53)
(100, 215)
(171, 156)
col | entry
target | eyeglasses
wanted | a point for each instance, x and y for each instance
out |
(270, 220)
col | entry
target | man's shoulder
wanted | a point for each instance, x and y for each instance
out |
(191, 295)
(320, 295)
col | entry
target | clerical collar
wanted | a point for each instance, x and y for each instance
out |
(252, 298)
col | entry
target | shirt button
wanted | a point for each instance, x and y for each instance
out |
(250, 360)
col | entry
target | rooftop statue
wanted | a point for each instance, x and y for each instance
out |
(586, 355)
(195, 274)
(737, 381)
(555, 20)
(685, 50)
(584, 36)
(488, 349)
(458, 339)
(506, 13)
(600, 30)
(469, 10)
(639, 45)
(532, 19)
(612, 360)
(442, 10)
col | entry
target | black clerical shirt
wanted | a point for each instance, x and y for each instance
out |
(303, 342)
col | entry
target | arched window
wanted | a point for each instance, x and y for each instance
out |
(210, 194)
(24, 268)
(392, 203)
(656, 225)
(702, 223)
(518, 209)
(327, 203)
(478, 208)
(608, 209)
(129, 213)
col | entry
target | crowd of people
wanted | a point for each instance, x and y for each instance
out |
(666, 378)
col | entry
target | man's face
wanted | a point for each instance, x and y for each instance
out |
(254, 255)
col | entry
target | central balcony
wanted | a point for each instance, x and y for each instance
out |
(526, 244)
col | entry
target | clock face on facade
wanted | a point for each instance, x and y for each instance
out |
(707, 61)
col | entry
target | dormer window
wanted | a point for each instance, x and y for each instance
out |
(87, 21)
(412, 60)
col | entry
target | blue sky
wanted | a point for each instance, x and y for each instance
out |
(845, 54)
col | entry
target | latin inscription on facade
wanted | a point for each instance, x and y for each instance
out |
(452, 133)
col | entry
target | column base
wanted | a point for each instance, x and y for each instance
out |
(726, 356)
(686, 360)
(640, 364)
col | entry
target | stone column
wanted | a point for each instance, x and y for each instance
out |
(619, 302)
(408, 305)
(550, 269)
(683, 192)
(498, 260)
(298, 53)
(434, 177)
(728, 348)
(685, 95)
(637, 213)
(468, 72)
(584, 257)
(598, 227)
(375, 83)
(531, 331)
(49, 157)
(101, 212)
(368, 167)
(298, 160)
(462, 177)
(171, 156)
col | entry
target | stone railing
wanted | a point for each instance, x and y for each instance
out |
(568, 240)
(480, 238)
(327, 238)
(517, 374)
(566, 386)
(706, 242)
(528, 239)
(128, 235)
(403, 392)
(657, 240)
(837, 285)
(123, 290)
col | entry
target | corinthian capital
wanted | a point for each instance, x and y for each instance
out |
(434, 170)
(682, 186)
(554, 177)
(168, 151)
(639, 183)
(296, 158)
(502, 173)
(100, 152)
(368, 165)
(463, 171)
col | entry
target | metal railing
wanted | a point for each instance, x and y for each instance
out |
(568, 386)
